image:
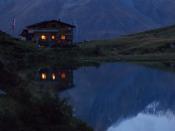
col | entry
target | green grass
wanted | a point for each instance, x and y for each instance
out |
(144, 46)
(156, 42)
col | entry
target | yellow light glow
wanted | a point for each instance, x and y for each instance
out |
(63, 75)
(43, 76)
(53, 76)
(43, 37)
(63, 37)
(53, 37)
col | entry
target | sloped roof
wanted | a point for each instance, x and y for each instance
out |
(51, 21)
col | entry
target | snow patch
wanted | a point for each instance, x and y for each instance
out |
(147, 122)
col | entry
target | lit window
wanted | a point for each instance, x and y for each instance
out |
(63, 75)
(43, 76)
(53, 37)
(53, 76)
(63, 37)
(43, 37)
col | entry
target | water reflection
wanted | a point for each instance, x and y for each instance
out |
(115, 92)
(111, 97)
(60, 77)
(151, 119)
(146, 122)
(28, 106)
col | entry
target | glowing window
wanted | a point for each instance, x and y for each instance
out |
(43, 37)
(63, 37)
(53, 37)
(43, 76)
(63, 75)
(53, 76)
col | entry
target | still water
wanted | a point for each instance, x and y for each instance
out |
(111, 97)
(124, 97)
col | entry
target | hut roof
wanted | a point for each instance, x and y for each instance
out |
(51, 21)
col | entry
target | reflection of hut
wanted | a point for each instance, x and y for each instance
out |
(62, 78)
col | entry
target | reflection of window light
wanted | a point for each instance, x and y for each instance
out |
(63, 37)
(43, 37)
(53, 37)
(53, 76)
(63, 75)
(58, 41)
(43, 76)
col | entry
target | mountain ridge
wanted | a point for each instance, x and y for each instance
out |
(94, 19)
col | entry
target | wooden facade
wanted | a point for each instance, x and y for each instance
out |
(49, 33)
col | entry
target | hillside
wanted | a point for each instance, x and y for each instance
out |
(94, 19)
(155, 45)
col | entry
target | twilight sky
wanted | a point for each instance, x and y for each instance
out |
(95, 19)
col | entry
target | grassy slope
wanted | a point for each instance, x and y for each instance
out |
(150, 45)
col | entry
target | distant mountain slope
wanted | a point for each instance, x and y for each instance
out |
(94, 19)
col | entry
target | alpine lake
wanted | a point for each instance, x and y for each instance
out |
(109, 97)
